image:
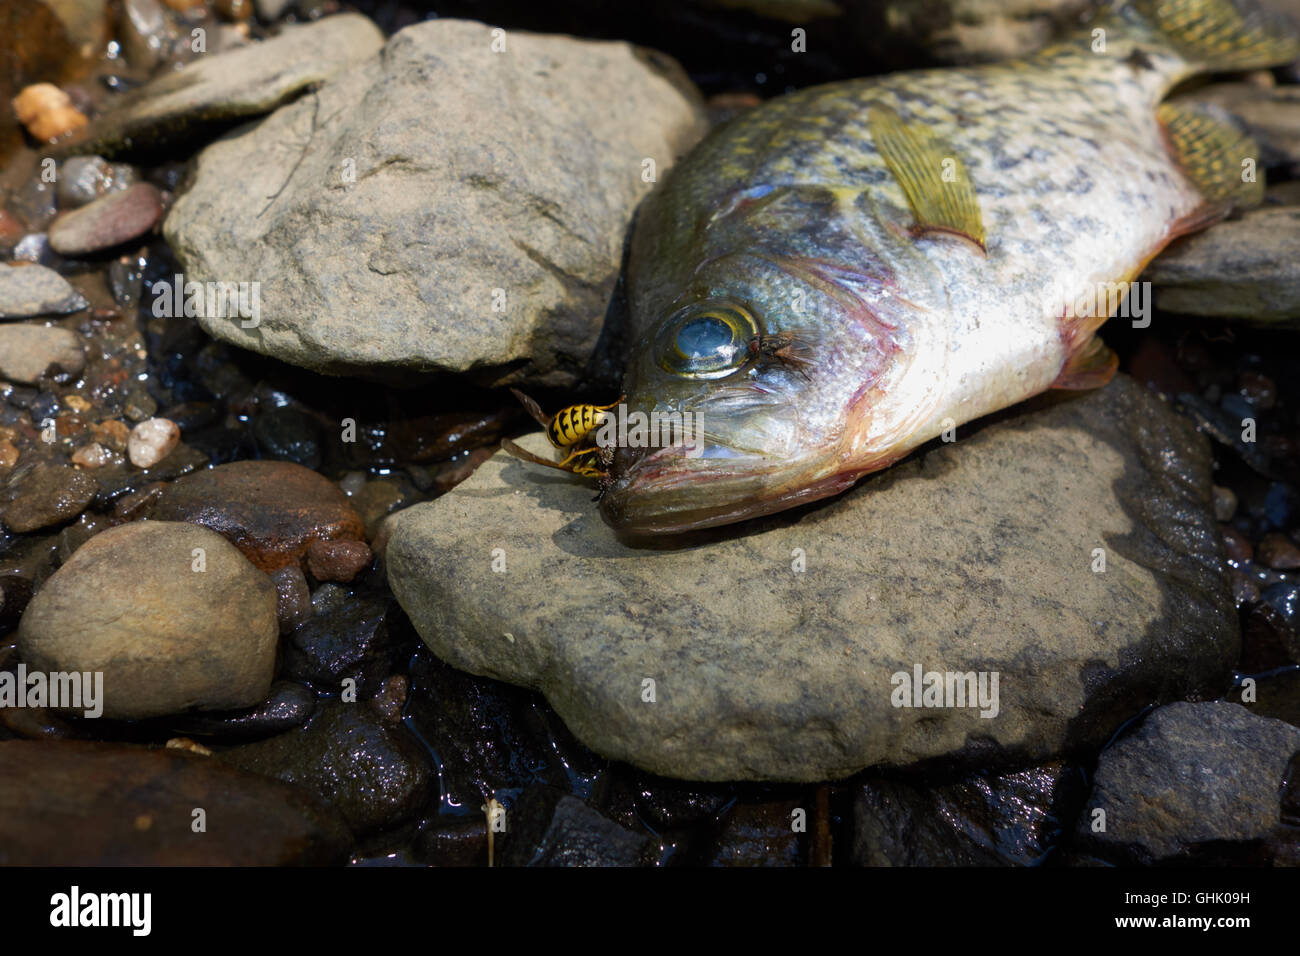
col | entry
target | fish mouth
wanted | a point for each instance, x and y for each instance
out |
(663, 491)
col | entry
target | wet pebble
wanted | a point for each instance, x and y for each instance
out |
(293, 598)
(338, 560)
(15, 593)
(270, 510)
(391, 699)
(289, 705)
(1236, 545)
(151, 441)
(345, 637)
(47, 495)
(172, 614)
(289, 435)
(28, 351)
(118, 807)
(763, 834)
(107, 222)
(142, 28)
(1278, 552)
(27, 291)
(546, 827)
(457, 843)
(374, 774)
(83, 179)
(1225, 503)
(47, 112)
(92, 456)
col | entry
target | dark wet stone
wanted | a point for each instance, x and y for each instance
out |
(1236, 545)
(986, 819)
(374, 774)
(107, 222)
(290, 705)
(289, 435)
(122, 479)
(35, 723)
(48, 495)
(545, 827)
(1194, 783)
(192, 416)
(458, 843)
(1278, 552)
(270, 510)
(344, 638)
(762, 834)
(1268, 639)
(293, 597)
(491, 737)
(15, 592)
(77, 803)
(1276, 695)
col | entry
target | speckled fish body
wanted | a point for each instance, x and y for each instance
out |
(789, 218)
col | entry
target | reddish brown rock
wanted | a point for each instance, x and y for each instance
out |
(108, 221)
(270, 510)
(77, 803)
(338, 560)
(1279, 552)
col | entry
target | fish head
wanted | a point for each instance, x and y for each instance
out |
(764, 368)
(784, 331)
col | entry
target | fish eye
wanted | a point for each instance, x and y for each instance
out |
(707, 341)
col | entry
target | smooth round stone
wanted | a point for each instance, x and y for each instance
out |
(107, 222)
(26, 351)
(172, 615)
(31, 290)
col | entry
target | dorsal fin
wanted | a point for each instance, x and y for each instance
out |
(931, 175)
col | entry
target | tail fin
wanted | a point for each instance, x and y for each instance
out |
(1222, 35)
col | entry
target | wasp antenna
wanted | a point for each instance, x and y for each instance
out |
(532, 408)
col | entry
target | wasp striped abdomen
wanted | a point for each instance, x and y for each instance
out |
(571, 425)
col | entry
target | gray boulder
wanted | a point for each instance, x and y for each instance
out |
(440, 208)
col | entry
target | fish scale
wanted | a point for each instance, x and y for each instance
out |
(930, 233)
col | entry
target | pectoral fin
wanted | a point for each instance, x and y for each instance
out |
(932, 176)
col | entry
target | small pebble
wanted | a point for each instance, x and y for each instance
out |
(390, 700)
(338, 560)
(8, 454)
(1236, 545)
(293, 598)
(112, 434)
(93, 455)
(1279, 552)
(27, 352)
(76, 403)
(184, 743)
(137, 503)
(47, 112)
(107, 222)
(1257, 389)
(151, 441)
(1225, 503)
(235, 9)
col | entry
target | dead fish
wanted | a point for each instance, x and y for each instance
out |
(931, 239)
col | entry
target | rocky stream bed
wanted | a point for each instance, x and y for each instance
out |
(328, 610)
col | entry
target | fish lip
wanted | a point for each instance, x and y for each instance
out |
(659, 502)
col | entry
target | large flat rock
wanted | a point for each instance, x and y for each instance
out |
(973, 556)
